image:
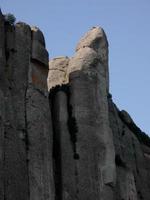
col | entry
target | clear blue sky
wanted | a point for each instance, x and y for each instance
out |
(127, 25)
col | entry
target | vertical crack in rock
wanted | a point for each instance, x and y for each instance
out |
(135, 157)
(57, 141)
(56, 146)
(26, 121)
(39, 121)
(73, 130)
(80, 147)
(72, 127)
(26, 138)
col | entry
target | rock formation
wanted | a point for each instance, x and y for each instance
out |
(61, 135)
(25, 118)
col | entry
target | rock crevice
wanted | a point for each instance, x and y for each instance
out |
(61, 135)
(26, 167)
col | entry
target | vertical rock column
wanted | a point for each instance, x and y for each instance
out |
(2, 103)
(25, 118)
(16, 72)
(63, 148)
(88, 83)
(84, 154)
(39, 126)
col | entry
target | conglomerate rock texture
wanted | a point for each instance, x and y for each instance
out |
(61, 135)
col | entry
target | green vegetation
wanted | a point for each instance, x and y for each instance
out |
(10, 18)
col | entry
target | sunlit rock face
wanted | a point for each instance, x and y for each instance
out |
(98, 150)
(61, 135)
(57, 72)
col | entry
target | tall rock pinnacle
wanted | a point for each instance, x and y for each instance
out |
(86, 104)
(96, 40)
(96, 151)
(61, 135)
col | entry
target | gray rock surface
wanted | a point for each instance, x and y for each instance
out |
(25, 124)
(61, 135)
(57, 72)
(104, 157)
(130, 158)
(96, 39)
(2, 102)
(39, 53)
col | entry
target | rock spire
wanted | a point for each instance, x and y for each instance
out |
(61, 135)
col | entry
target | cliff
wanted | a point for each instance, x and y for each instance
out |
(25, 118)
(62, 137)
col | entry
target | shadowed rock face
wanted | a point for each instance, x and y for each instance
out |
(25, 124)
(61, 135)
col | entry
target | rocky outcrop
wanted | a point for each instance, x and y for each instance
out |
(57, 72)
(61, 135)
(86, 151)
(131, 163)
(25, 124)
(101, 151)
